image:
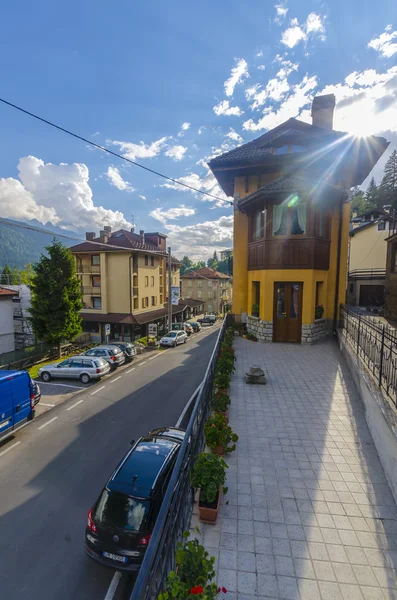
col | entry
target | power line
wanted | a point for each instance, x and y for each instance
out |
(104, 149)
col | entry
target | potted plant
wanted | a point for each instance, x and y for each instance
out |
(255, 310)
(319, 311)
(209, 475)
(219, 436)
(179, 590)
(222, 381)
(194, 565)
(220, 403)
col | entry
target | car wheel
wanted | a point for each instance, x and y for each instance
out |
(45, 376)
(174, 345)
(85, 378)
(185, 340)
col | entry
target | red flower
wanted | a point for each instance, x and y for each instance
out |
(224, 590)
(197, 589)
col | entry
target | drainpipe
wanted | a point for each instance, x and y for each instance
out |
(130, 275)
(336, 303)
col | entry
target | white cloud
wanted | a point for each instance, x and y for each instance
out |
(384, 44)
(261, 67)
(281, 13)
(224, 108)
(208, 184)
(114, 178)
(275, 89)
(142, 197)
(259, 54)
(201, 129)
(60, 194)
(172, 213)
(233, 135)
(238, 74)
(301, 94)
(185, 127)
(296, 33)
(200, 240)
(176, 152)
(141, 150)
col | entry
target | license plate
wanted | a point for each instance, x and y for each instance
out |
(122, 559)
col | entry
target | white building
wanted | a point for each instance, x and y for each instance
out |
(7, 337)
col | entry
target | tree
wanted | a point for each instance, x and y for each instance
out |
(6, 275)
(26, 274)
(388, 186)
(56, 297)
(372, 195)
(187, 265)
(213, 262)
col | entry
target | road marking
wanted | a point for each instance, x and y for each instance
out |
(179, 421)
(142, 363)
(153, 357)
(77, 387)
(48, 422)
(113, 380)
(133, 369)
(10, 448)
(98, 390)
(113, 586)
(79, 402)
(44, 404)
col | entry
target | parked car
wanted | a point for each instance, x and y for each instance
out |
(127, 348)
(173, 338)
(206, 321)
(16, 401)
(36, 392)
(76, 367)
(188, 328)
(121, 521)
(112, 354)
(195, 325)
(211, 317)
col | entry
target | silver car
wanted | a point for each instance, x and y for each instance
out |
(112, 354)
(76, 367)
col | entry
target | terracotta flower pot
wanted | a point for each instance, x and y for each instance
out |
(209, 514)
(218, 450)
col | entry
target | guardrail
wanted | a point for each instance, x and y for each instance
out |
(376, 348)
(176, 510)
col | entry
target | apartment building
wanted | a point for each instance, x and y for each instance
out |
(209, 286)
(124, 283)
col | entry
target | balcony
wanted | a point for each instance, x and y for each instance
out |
(90, 290)
(81, 269)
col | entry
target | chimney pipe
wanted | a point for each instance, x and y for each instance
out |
(90, 236)
(323, 111)
(103, 236)
(142, 234)
(107, 228)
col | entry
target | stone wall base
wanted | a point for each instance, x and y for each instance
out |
(315, 331)
(263, 330)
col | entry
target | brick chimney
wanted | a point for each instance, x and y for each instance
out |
(323, 111)
(108, 229)
(90, 236)
(103, 236)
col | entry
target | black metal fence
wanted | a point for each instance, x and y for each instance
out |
(176, 510)
(375, 346)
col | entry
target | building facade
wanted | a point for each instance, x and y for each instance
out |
(209, 286)
(367, 258)
(7, 338)
(390, 311)
(123, 279)
(291, 223)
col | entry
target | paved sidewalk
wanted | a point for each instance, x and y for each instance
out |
(309, 514)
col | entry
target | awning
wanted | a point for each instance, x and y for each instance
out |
(135, 319)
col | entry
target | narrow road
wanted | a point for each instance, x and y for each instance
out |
(53, 470)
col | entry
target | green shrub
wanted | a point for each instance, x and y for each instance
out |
(209, 474)
(219, 433)
(220, 402)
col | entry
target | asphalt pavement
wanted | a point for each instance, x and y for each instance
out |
(53, 470)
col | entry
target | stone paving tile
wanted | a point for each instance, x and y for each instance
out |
(309, 514)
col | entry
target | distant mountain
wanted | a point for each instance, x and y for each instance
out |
(19, 247)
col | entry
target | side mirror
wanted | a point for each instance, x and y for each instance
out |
(132, 442)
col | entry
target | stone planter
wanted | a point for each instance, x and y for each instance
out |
(209, 513)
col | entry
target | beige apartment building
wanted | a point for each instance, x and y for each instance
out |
(123, 280)
(210, 286)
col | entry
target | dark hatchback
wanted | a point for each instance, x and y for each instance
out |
(121, 521)
(127, 348)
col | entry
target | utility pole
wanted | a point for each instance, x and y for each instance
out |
(169, 292)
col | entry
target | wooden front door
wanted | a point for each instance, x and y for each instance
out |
(287, 316)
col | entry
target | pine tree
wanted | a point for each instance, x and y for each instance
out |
(372, 195)
(56, 297)
(388, 187)
(6, 275)
(358, 202)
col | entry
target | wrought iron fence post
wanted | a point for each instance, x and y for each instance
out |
(358, 334)
(381, 356)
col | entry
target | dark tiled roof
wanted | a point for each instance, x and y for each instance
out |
(205, 273)
(135, 319)
(117, 239)
(191, 302)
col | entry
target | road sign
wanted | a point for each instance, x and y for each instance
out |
(107, 329)
(152, 329)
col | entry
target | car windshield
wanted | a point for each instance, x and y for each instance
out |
(115, 509)
(172, 334)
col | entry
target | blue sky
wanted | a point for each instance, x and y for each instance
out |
(170, 85)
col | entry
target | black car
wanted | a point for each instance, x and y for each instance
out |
(121, 521)
(127, 348)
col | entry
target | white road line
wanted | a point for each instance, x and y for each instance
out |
(155, 356)
(117, 378)
(98, 390)
(142, 363)
(129, 371)
(113, 586)
(10, 448)
(179, 421)
(44, 404)
(48, 422)
(73, 405)
(77, 387)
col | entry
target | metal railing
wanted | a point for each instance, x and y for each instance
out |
(90, 290)
(87, 269)
(375, 347)
(367, 274)
(175, 513)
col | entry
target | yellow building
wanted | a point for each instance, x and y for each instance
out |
(367, 258)
(291, 223)
(124, 283)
